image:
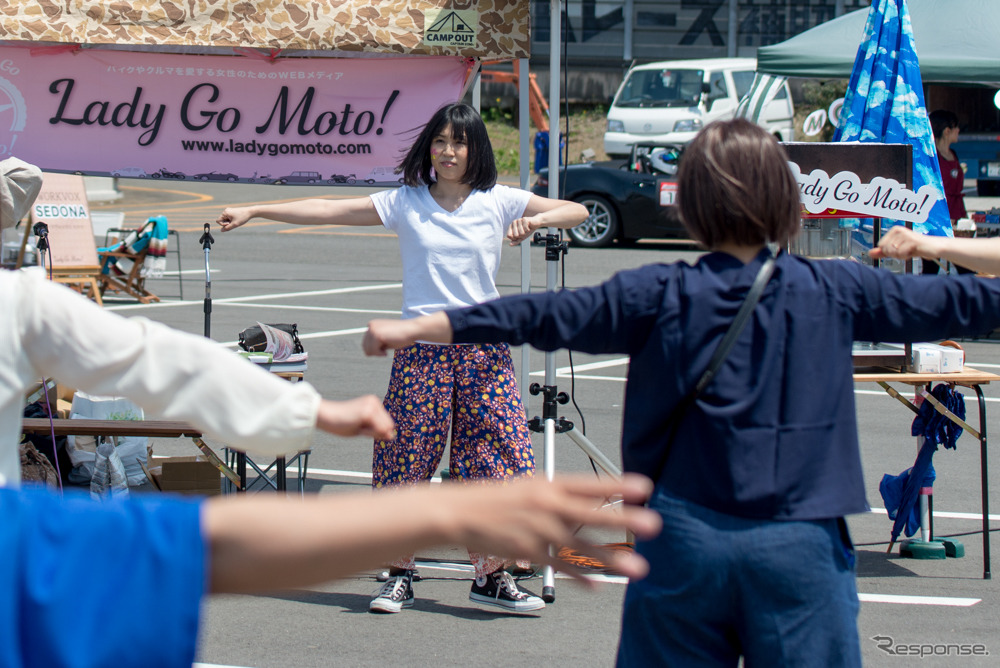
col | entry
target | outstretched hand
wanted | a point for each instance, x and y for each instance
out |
(902, 243)
(522, 519)
(383, 335)
(362, 416)
(233, 217)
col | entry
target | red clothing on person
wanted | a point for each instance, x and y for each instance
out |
(953, 180)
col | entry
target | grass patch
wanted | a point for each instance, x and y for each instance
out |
(586, 131)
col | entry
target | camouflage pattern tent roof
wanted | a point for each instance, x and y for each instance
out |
(488, 29)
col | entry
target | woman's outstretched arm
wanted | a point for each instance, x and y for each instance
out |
(263, 543)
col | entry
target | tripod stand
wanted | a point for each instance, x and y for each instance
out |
(550, 423)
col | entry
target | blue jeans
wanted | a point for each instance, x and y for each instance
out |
(779, 593)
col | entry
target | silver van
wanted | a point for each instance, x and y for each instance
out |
(668, 102)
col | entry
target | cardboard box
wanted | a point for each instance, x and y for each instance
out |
(60, 397)
(926, 360)
(185, 475)
(948, 359)
(935, 358)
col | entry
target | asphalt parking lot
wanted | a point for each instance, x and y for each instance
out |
(331, 281)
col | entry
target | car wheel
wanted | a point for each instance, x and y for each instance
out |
(351, 179)
(204, 178)
(600, 228)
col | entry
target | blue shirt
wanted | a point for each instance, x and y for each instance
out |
(86, 583)
(774, 436)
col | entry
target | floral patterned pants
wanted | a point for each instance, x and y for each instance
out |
(469, 389)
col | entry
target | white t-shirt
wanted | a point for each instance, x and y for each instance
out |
(450, 258)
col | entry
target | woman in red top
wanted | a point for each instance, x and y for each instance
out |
(944, 125)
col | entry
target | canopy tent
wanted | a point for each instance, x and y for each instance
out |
(955, 42)
(487, 29)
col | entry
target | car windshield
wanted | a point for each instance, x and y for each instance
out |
(661, 88)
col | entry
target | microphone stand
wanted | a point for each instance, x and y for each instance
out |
(41, 231)
(206, 242)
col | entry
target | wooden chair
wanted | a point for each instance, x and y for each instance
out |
(133, 248)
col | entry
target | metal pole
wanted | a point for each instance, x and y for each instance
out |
(548, 450)
(206, 242)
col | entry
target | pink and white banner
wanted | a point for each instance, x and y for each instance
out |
(218, 118)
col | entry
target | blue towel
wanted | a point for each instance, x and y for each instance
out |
(935, 427)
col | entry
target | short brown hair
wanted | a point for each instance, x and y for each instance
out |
(734, 184)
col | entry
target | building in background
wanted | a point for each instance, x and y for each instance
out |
(603, 38)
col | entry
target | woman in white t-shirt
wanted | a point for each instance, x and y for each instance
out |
(451, 218)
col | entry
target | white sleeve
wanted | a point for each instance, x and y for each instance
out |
(386, 204)
(171, 374)
(512, 202)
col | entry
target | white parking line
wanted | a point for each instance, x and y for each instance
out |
(262, 297)
(286, 307)
(918, 600)
(948, 514)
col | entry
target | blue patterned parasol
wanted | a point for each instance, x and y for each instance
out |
(885, 103)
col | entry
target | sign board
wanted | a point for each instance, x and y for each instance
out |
(62, 206)
(300, 121)
(848, 180)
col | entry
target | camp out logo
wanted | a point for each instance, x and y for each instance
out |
(451, 27)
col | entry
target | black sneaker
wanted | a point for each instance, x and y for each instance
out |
(395, 594)
(501, 590)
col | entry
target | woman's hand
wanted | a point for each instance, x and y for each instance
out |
(362, 416)
(523, 228)
(383, 335)
(523, 518)
(233, 217)
(902, 243)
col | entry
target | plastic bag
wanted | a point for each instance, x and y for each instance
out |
(82, 450)
(261, 338)
(109, 474)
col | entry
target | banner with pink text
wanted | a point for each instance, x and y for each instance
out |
(219, 118)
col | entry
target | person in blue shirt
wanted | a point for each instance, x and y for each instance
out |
(120, 583)
(754, 560)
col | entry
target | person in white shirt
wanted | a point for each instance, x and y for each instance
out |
(451, 218)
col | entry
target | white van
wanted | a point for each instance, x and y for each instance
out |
(669, 102)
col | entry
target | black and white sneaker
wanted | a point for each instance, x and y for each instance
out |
(501, 590)
(395, 594)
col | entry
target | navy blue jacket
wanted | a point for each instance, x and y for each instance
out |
(774, 436)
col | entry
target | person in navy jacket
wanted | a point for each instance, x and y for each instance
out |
(754, 559)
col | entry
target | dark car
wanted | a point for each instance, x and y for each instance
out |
(299, 177)
(216, 176)
(623, 196)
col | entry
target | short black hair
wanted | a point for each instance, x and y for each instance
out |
(941, 120)
(466, 123)
(734, 184)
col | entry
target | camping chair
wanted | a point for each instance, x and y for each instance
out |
(141, 254)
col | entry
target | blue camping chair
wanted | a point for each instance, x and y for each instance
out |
(126, 264)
